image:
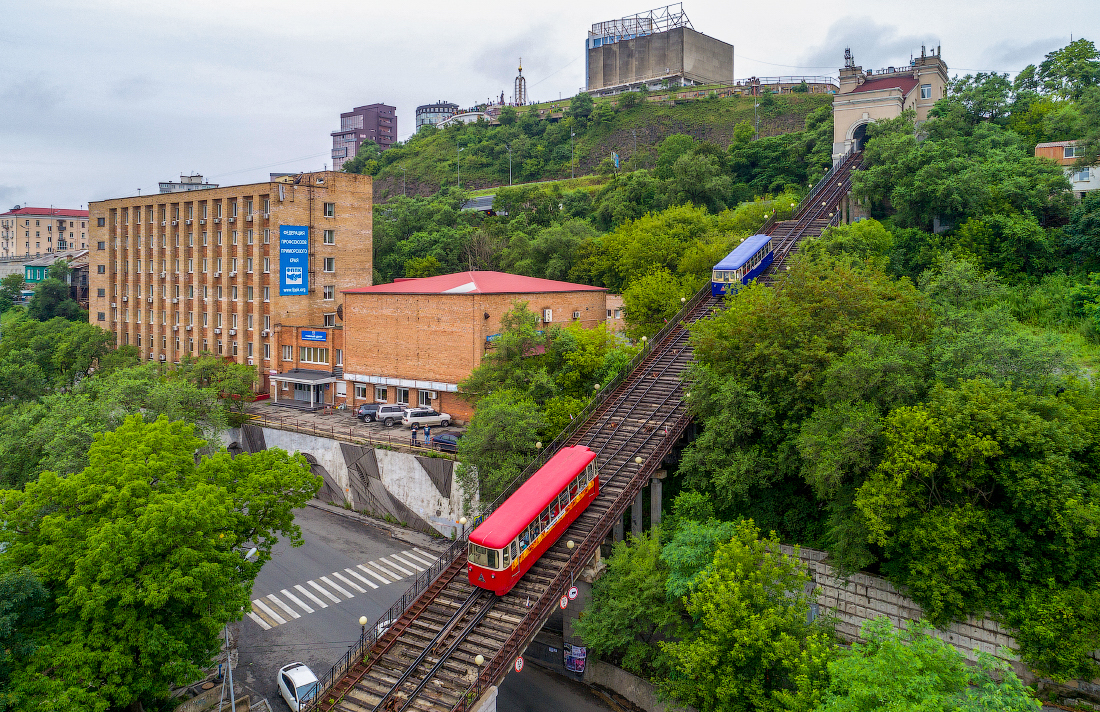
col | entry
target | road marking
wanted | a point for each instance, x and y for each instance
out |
(397, 566)
(383, 580)
(372, 584)
(297, 600)
(325, 592)
(349, 582)
(431, 557)
(259, 621)
(418, 557)
(392, 574)
(293, 613)
(271, 614)
(336, 587)
(406, 562)
(316, 600)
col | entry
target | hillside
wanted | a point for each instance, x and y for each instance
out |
(540, 145)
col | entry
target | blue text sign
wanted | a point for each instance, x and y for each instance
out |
(308, 335)
(293, 260)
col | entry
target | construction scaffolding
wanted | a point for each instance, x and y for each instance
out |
(660, 19)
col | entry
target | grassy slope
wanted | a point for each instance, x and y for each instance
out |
(430, 162)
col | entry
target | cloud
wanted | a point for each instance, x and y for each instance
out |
(9, 194)
(873, 45)
(541, 59)
(1008, 56)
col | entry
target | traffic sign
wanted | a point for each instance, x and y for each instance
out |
(573, 592)
(519, 664)
(564, 602)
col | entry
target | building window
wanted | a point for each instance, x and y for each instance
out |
(101, 292)
(101, 245)
(250, 349)
(267, 265)
(248, 264)
(330, 319)
(267, 294)
(288, 353)
(576, 315)
(329, 291)
(380, 394)
(339, 356)
(101, 269)
(267, 322)
(925, 91)
(234, 348)
(402, 396)
(360, 391)
(100, 222)
(267, 236)
(267, 351)
(247, 292)
(330, 264)
(1083, 176)
(330, 237)
(101, 316)
(234, 292)
(424, 399)
(312, 354)
(330, 210)
(1070, 152)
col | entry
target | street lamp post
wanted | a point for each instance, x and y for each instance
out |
(459, 154)
(572, 166)
(509, 164)
(403, 194)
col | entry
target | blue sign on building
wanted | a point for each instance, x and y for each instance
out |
(293, 260)
(308, 335)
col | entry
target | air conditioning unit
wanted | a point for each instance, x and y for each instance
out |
(265, 332)
(232, 219)
(188, 221)
(232, 274)
(202, 221)
(176, 327)
(266, 215)
(217, 331)
(177, 222)
(248, 218)
(205, 300)
(162, 275)
(176, 300)
(163, 357)
(164, 222)
(217, 220)
(217, 274)
(189, 327)
(250, 362)
(433, 395)
(150, 300)
(548, 315)
(125, 299)
(232, 332)
(114, 304)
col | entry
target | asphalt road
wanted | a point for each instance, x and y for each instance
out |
(332, 545)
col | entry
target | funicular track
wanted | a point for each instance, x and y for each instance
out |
(425, 657)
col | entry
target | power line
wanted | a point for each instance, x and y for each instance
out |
(269, 165)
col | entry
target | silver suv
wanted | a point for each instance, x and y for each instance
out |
(389, 414)
(425, 416)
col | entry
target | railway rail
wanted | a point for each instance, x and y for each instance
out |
(445, 642)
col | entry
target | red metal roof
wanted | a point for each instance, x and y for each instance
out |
(475, 283)
(533, 496)
(46, 212)
(890, 81)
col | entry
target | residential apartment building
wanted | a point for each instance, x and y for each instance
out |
(374, 122)
(33, 232)
(433, 114)
(1066, 154)
(187, 183)
(219, 270)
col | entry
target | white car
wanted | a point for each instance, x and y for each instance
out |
(424, 416)
(297, 685)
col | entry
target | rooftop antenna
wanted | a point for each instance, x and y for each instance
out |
(849, 62)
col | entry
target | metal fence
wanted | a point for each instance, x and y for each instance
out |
(346, 434)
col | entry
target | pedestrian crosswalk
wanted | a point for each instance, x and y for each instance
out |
(275, 609)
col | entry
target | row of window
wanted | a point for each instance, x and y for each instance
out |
(221, 348)
(49, 224)
(249, 209)
(502, 558)
(233, 320)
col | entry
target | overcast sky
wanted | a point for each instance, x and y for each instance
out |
(100, 99)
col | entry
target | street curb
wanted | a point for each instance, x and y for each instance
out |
(396, 532)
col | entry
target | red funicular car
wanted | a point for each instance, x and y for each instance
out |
(513, 537)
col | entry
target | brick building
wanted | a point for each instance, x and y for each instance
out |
(414, 340)
(220, 270)
(1066, 154)
(374, 122)
(33, 232)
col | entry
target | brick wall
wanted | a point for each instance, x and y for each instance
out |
(863, 597)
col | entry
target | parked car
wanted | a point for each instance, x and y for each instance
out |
(297, 685)
(389, 414)
(368, 412)
(424, 416)
(446, 442)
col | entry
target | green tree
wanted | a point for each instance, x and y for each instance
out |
(11, 287)
(23, 602)
(902, 670)
(1084, 227)
(365, 160)
(750, 647)
(499, 443)
(581, 105)
(423, 267)
(508, 116)
(233, 382)
(654, 299)
(141, 553)
(52, 299)
(1068, 72)
(614, 626)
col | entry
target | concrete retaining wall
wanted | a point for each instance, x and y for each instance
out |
(418, 491)
(642, 693)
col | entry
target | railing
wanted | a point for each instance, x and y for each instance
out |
(369, 635)
(335, 433)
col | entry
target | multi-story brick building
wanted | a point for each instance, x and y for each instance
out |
(33, 232)
(414, 340)
(219, 270)
(374, 122)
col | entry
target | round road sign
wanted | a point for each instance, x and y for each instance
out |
(564, 602)
(519, 664)
(573, 593)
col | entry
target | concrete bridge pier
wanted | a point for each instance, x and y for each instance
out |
(488, 701)
(636, 515)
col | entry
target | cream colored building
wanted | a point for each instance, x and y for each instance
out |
(869, 96)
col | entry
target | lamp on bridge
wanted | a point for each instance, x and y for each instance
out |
(569, 544)
(596, 387)
(363, 624)
(479, 660)
(644, 340)
(683, 299)
(538, 445)
(638, 460)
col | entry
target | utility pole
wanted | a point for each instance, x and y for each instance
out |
(459, 154)
(634, 156)
(509, 164)
(403, 194)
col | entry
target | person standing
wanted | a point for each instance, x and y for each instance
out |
(414, 435)
(427, 435)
